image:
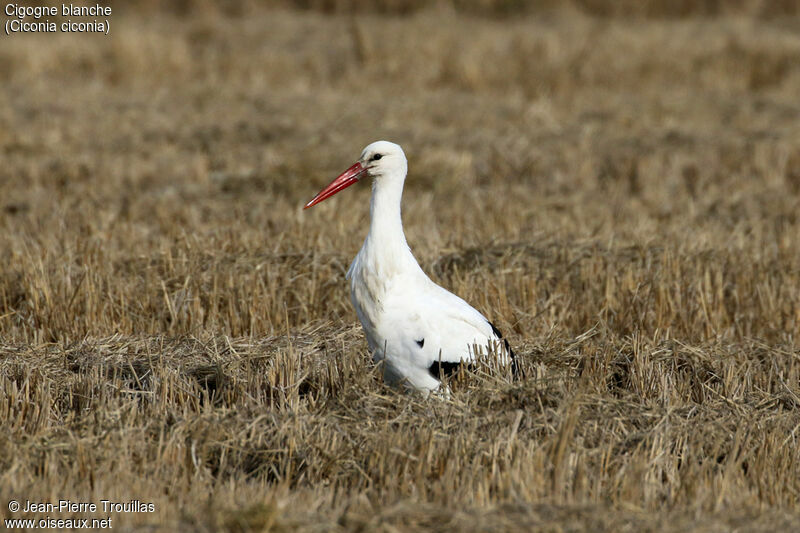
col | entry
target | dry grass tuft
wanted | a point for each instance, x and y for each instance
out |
(618, 194)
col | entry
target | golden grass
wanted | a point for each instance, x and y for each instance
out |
(619, 195)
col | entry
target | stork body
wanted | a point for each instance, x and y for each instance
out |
(415, 327)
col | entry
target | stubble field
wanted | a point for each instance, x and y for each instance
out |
(616, 186)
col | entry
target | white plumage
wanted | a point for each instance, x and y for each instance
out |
(414, 326)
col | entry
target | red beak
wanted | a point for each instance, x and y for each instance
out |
(345, 179)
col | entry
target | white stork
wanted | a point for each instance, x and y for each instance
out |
(416, 328)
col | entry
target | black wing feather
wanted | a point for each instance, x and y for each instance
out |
(444, 368)
(508, 348)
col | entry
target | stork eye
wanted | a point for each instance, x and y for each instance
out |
(376, 157)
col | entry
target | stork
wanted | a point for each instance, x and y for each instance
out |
(417, 329)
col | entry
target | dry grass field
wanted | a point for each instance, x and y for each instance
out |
(615, 184)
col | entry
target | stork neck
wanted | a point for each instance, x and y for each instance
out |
(386, 224)
(385, 251)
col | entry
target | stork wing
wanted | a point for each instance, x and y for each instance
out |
(436, 330)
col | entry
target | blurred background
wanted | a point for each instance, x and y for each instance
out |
(171, 158)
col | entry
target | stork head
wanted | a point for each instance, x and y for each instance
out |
(379, 160)
(383, 158)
